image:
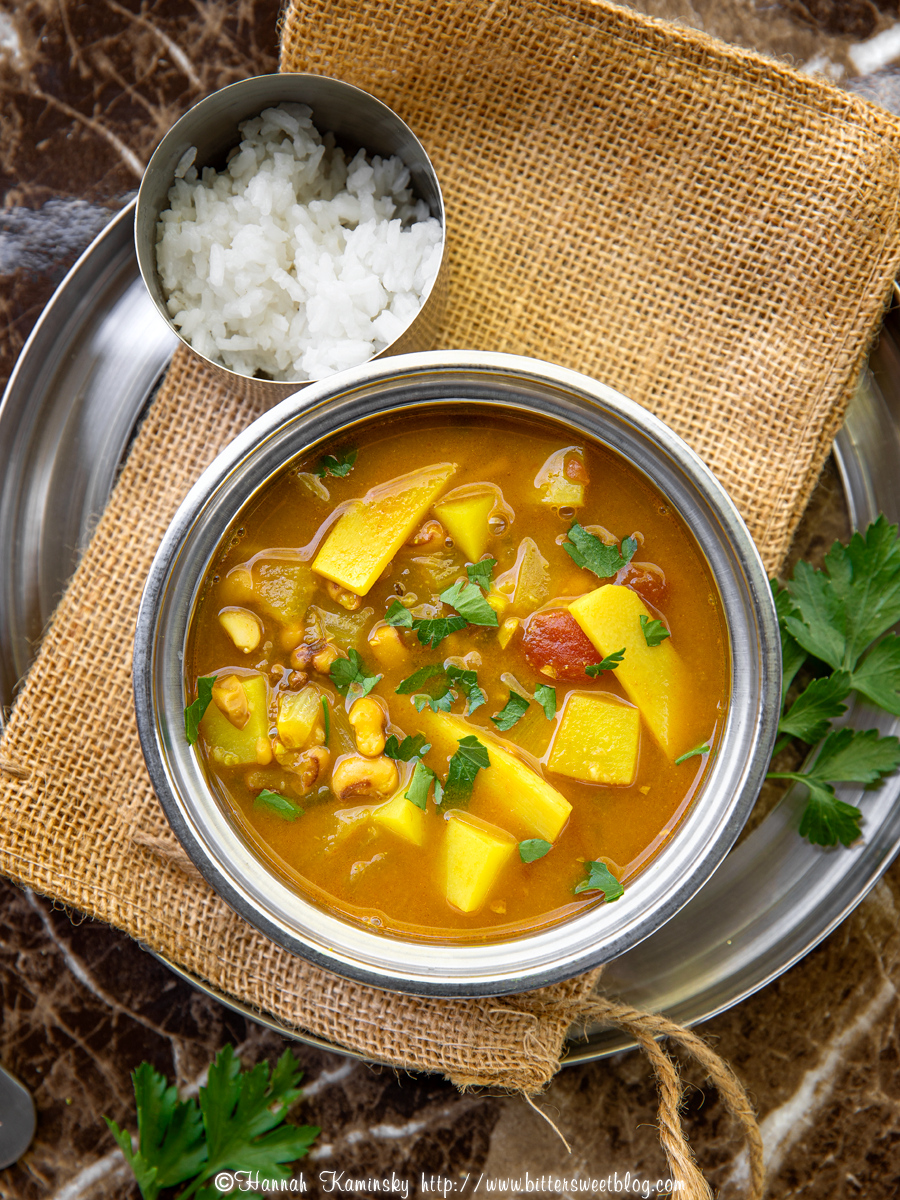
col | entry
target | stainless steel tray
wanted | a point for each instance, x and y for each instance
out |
(82, 381)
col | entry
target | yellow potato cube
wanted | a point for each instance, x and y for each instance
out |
(239, 747)
(466, 520)
(474, 854)
(508, 790)
(298, 714)
(402, 817)
(373, 529)
(654, 677)
(597, 740)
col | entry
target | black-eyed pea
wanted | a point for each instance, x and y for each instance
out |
(358, 776)
(368, 721)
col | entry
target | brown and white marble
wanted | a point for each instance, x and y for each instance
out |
(86, 90)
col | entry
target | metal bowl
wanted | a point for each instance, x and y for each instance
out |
(356, 119)
(401, 386)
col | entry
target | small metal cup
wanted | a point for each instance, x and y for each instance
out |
(355, 118)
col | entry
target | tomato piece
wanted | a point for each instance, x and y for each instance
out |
(648, 580)
(554, 643)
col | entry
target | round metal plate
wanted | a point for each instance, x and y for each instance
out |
(88, 370)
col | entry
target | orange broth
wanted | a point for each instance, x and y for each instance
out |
(335, 852)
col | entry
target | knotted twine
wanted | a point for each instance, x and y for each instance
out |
(710, 232)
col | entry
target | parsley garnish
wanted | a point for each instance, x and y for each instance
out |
(275, 803)
(326, 714)
(546, 698)
(469, 759)
(480, 573)
(467, 599)
(438, 686)
(600, 878)
(420, 786)
(702, 749)
(430, 631)
(514, 710)
(411, 747)
(588, 551)
(533, 849)
(339, 467)
(846, 756)
(839, 616)
(609, 663)
(654, 631)
(350, 672)
(193, 714)
(238, 1124)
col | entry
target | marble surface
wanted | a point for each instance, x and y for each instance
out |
(86, 90)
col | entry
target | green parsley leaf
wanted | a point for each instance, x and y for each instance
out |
(413, 746)
(533, 849)
(193, 714)
(877, 677)
(350, 672)
(546, 698)
(480, 573)
(514, 710)
(846, 756)
(793, 656)
(856, 599)
(809, 717)
(430, 631)
(588, 551)
(239, 1125)
(467, 599)
(600, 878)
(469, 759)
(438, 686)
(654, 631)
(339, 467)
(703, 749)
(326, 717)
(171, 1145)
(608, 663)
(420, 785)
(274, 802)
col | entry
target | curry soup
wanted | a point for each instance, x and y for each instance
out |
(465, 679)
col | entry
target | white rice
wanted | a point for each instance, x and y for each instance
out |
(294, 263)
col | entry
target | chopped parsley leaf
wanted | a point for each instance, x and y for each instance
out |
(430, 631)
(469, 759)
(704, 749)
(480, 573)
(413, 746)
(514, 710)
(420, 785)
(546, 698)
(533, 849)
(438, 686)
(193, 714)
(587, 550)
(466, 597)
(350, 672)
(339, 467)
(600, 878)
(326, 715)
(275, 803)
(654, 631)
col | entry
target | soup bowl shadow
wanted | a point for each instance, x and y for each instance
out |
(426, 383)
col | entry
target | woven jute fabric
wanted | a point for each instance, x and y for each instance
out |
(709, 232)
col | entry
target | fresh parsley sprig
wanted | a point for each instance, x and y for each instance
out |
(468, 600)
(513, 710)
(430, 631)
(546, 698)
(412, 746)
(608, 663)
(480, 573)
(469, 759)
(239, 1124)
(838, 618)
(587, 550)
(420, 785)
(655, 633)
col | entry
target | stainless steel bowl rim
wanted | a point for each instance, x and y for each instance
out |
(705, 834)
(255, 94)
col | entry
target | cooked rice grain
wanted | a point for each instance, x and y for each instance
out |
(294, 263)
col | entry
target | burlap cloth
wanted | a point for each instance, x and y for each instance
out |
(710, 232)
